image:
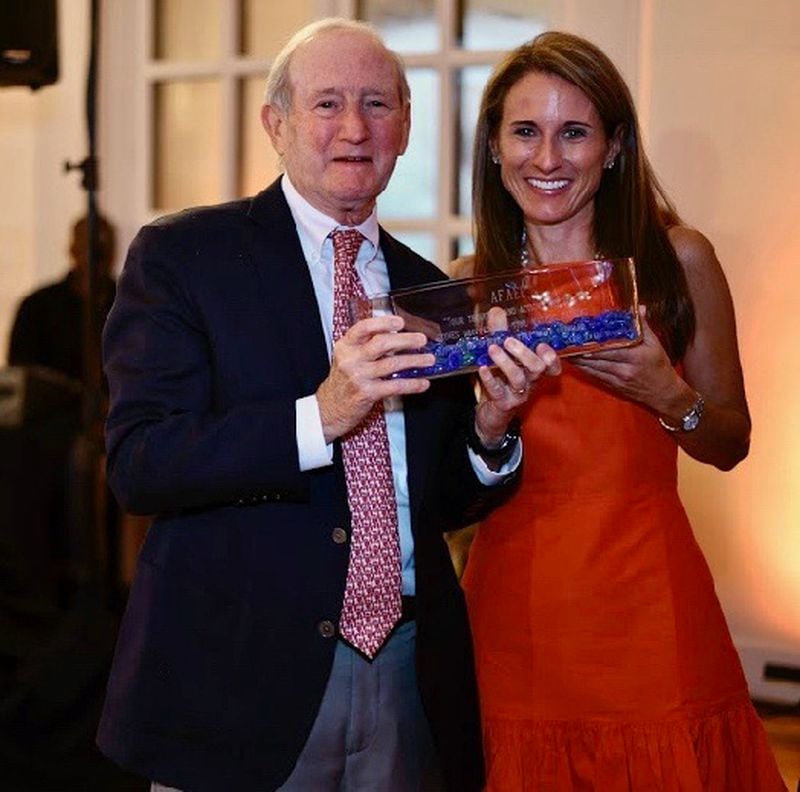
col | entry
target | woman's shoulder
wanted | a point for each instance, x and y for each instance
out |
(699, 260)
(462, 267)
(692, 248)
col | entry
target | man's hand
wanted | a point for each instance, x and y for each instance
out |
(363, 360)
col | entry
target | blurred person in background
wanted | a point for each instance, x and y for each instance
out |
(48, 328)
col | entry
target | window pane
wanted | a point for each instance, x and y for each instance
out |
(501, 24)
(406, 25)
(472, 79)
(187, 140)
(187, 29)
(459, 247)
(419, 242)
(267, 26)
(412, 190)
(466, 246)
(258, 164)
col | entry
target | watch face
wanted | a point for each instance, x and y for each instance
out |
(690, 422)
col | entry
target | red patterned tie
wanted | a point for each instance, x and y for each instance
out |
(372, 601)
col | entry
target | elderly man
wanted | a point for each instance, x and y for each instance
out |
(295, 622)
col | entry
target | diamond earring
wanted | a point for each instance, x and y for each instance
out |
(524, 253)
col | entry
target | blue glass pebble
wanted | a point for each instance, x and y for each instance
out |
(473, 351)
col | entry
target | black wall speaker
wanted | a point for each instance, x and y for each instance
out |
(28, 42)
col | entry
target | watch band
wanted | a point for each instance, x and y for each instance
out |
(690, 420)
(501, 453)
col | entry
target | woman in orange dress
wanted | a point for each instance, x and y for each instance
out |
(603, 657)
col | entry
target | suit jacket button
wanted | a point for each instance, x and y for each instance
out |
(326, 629)
(339, 535)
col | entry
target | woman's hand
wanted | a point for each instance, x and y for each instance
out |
(642, 373)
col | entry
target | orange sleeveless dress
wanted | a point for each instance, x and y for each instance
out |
(604, 661)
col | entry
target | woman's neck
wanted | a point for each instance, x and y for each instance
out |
(564, 242)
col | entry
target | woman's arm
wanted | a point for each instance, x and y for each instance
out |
(711, 366)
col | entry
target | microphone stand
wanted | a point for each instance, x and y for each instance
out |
(91, 486)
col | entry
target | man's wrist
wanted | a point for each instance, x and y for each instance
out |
(500, 452)
(491, 424)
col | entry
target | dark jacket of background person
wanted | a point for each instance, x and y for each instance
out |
(48, 329)
(57, 629)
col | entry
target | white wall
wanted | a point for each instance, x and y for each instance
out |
(725, 106)
(38, 203)
(717, 85)
(17, 258)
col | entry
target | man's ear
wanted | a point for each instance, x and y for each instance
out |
(406, 127)
(273, 120)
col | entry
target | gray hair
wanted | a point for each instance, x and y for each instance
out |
(278, 91)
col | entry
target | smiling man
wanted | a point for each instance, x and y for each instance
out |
(339, 123)
(295, 622)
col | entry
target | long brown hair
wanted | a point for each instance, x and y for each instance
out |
(632, 211)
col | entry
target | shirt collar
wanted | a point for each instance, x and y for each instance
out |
(317, 226)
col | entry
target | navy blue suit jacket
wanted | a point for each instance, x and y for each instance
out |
(220, 664)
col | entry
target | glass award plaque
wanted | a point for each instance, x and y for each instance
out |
(574, 307)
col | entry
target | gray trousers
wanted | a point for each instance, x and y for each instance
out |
(371, 734)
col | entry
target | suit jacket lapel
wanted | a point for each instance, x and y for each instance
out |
(287, 286)
(289, 296)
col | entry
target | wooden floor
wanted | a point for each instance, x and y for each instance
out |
(783, 730)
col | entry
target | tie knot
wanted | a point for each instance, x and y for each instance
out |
(346, 244)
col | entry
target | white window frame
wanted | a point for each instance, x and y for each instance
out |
(127, 138)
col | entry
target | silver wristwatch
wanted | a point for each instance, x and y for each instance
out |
(690, 420)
